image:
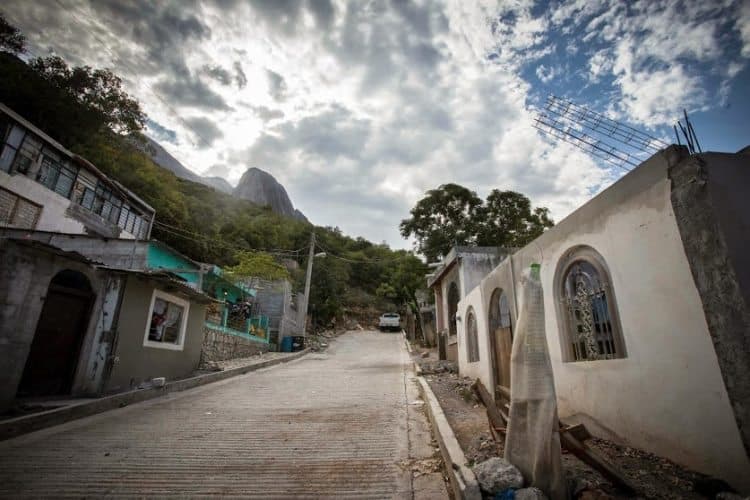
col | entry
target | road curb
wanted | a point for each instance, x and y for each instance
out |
(23, 425)
(463, 482)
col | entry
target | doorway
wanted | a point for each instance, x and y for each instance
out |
(501, 336)
(453, 299)
(53, 357)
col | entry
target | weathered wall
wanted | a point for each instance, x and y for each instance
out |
(59, 213)
(54, 216)
(137, 363)
(710, 200)
(122, 254)
(220, 346)
(25, 274)
(452, 276)
(475, 265)
(97, 353)
(669, 388)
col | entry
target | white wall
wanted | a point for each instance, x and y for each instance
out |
(481, 369)
(667, 396)
(53, 216)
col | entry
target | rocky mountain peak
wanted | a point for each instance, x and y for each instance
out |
(262, 188)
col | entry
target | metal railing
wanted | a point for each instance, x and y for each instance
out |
(235, 320)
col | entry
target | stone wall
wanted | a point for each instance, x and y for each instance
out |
(220, 346)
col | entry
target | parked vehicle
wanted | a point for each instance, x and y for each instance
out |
(389, 321)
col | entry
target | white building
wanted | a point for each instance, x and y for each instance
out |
(646, 288)
(45, 187)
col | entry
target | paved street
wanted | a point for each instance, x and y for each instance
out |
(338, 423)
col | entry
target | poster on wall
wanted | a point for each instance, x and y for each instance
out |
(166, 321)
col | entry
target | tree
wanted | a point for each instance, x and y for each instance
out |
(11, 38)
(98, 90)
(256, 265)
(453, 215)
(406, 276)
(508, 221)
(328, 290)
(445, 217)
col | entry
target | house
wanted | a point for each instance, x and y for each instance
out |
(88, 305)
(647, 312)
(44, 186)
(278, 301)
(458, 273)
(72, 326)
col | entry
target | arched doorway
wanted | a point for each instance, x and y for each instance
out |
(501, 336)
(453, 298)
(62, 324)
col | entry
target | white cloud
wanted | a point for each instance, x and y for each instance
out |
(358, 108)
(743, 26)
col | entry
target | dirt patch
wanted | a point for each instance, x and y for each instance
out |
(466, 415)
(655, 477)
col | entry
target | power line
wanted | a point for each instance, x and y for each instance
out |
(200, 238)
(355, 261)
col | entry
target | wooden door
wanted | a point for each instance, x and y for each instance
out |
(503, 343)
(54, 351)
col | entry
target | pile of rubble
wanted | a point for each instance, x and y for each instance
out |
(432, 367)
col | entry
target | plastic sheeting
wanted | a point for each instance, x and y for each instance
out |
(532, 442)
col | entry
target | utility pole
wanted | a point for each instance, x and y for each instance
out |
(308, 279)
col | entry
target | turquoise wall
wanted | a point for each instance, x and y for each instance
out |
(160, 257)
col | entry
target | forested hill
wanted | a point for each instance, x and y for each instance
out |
(87, 111)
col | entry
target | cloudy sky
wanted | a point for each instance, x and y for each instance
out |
(359, 107)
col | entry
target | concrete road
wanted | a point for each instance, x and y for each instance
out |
(345, 423)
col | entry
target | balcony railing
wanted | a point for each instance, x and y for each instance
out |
(235, 320)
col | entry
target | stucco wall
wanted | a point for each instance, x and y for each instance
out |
(482, 368)
(54, 206)
(667, 396)
(25, 274)
(59, 213)
(137, 363)
(709, 197)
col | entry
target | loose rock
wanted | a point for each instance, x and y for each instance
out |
(530, 494)
(497, 474)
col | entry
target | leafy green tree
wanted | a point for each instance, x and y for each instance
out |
(257, 265)
(508, 221)
(328, 290)
(405, 277)
(98, 90)
(11, 38)
(452, 215)
(445, 217)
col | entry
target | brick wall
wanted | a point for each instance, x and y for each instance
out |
(220, 346)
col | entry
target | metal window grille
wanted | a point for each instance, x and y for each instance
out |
(589, 316)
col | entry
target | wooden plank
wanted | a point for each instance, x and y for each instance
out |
(494, 431)
(597, 462)
(497, 419)
(504, 391)
(578, 431)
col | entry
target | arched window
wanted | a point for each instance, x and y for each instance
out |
(472, 336)
(586, 308)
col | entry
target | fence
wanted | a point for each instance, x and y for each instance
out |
(235, 319)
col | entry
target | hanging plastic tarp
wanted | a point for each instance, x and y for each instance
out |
(532, 442)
